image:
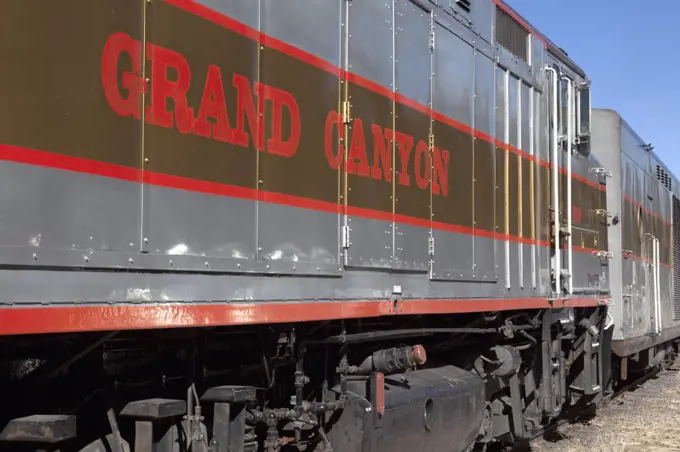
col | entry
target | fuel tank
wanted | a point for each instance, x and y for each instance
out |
(439, 409)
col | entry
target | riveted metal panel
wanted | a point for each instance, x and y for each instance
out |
(484, 169)
(369, 36)
(211, 224)
(514, 183)
(370, 39)
(482, 15)
(56, 108)
(541, 192)
(283, 235)
(245, 11)
(537, 57)
(412, 51)
(454, 66)
(513, 111)
(502, 158)
(413, 80)
(321, 37)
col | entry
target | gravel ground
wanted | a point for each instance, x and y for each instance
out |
(646, 419)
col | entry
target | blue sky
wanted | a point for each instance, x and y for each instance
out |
(629, 49)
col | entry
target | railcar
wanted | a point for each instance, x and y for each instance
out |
(243, 225)
(642, 207)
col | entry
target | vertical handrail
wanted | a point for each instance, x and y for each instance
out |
(657, 284)
(570, 131)
(555, 181)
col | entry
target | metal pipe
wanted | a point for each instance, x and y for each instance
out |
(371, 336)
(555, 181)
(570, 133)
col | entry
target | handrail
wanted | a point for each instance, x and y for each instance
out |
(555, 181)
(570, 132)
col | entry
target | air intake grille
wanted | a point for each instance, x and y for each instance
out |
(676, 258)
(664, 178)
(465, 5)
(511, 34)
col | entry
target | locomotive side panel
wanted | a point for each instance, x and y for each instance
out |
(53, 109)
(263, 146)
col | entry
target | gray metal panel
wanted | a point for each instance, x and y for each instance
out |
(513, 111)
(184, 223)
(484, 95)
(413, 69)
(517, 66)
(453, 256)
(371, 243)
(501, 99)
(525, 125)
(542, 215)
(453, 94)
(301, 236)
(370, 55)
(485, 250)
(454, 65)
(482, 16)
(306, 236)
(320, 37)
(52, 209)
(370, 40)
(412, 51)
(245, 11)
(537, 57)
(631, 145)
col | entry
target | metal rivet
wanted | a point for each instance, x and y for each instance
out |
(35, 256)
(132, 261)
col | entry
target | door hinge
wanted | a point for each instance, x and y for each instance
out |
(346, 240)
(432, 40)
(604, 256)
(430, 246)
(431, 142)
(602, 172)
(603, 213)
(346, 112)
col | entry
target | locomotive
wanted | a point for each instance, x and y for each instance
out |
(339, 225)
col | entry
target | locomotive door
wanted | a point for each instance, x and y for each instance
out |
(367, 113)
(650, 255)
(650, 250)
(387, 145)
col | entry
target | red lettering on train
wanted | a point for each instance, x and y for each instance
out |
(170, 79)
(214, 106)
(391, 150)
(423, 165)
(382, 153)
(334, 124)
(121, 46)
(357, 161)
(405, 145)
(576, 214)
(441, 172)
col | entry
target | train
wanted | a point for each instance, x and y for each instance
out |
(425, 238)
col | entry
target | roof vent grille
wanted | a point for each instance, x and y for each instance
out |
(465, 5)
(664, 178)
(511, 34)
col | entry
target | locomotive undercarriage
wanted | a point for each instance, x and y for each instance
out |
(415, 382)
